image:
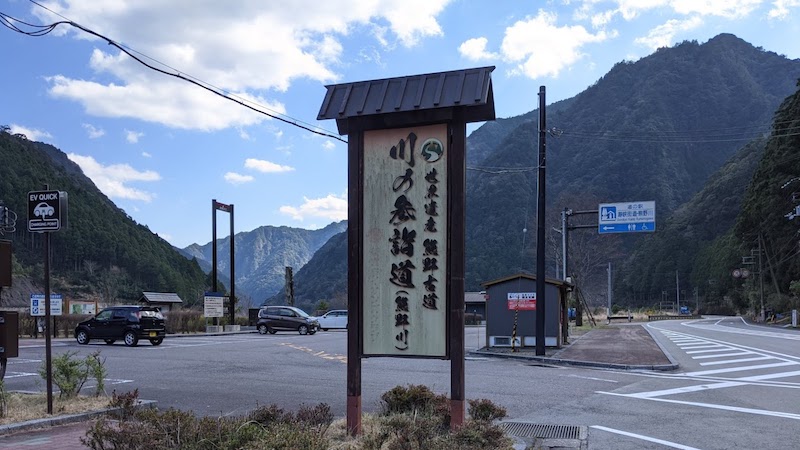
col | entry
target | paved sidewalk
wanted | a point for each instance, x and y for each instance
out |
(625, 346)
(63, 437)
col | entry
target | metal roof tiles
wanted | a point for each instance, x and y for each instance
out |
(468, 90)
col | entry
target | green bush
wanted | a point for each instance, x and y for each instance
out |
(414, 399)
(127, 402)
(69, 374)
(485, 410)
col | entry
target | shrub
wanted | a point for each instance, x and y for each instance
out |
(175, 429)
(413, 399)
(69, 374)
(484, 410)
(126, 401)
(96, 367)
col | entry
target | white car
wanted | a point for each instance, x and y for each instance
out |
(336, 318)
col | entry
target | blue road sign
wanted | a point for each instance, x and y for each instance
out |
(632, 217)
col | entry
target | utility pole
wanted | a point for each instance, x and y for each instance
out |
(761, 279)
(609, 290)
(564, 219)
(540, 239)
(677, 292)
(696, 300)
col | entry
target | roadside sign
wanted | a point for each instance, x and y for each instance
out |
(38, 305)
(213, 305)
(46, 210)
(521, 301)
(631, 217)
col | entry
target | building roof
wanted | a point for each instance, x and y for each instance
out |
(560, 283)
(160, 297)
(464, 95)
(475, 297)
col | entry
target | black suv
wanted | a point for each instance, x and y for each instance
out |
(129, 323)
(275, 318)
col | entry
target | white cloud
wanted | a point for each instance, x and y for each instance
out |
(266, 166)
(237, 178)
(633, 9)
(539, 47)
(330, 207)
(147, 155)
(112, 180)
(328, 145)
(252, 50)
(780, 9)
(133, 136)
(93, 132)
(31, 133)
(475, 49)
(664, 34)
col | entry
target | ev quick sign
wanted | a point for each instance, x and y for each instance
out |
(633, 217)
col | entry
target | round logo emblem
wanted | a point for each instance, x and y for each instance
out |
(432, 150)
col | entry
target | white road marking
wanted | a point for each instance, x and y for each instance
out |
(685, 389)
(724, 349)
(760, 412)
(19, 374)
(732, 361)
(592, 378)
(740, 369)
(771, 376)
(644, 438)
(722, 355)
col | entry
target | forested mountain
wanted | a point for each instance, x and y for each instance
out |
(686, 240)
(262, 256)
(104, 254)
(322, 278)
(654, 129)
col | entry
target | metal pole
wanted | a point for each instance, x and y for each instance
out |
(214, 250)
(48, 340)
(540, 240)
(761, 280)
(232, 301)
(609, 290)
(564, 244)
(677, 292)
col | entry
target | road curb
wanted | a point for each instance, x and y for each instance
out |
(570, 362)
(67, 419)
(663, 349)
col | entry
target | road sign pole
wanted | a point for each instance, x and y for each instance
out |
(47, 339)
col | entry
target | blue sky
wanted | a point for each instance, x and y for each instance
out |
(162, 148)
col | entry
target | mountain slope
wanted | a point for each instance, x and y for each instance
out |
(103, 253)
(262, 256)
(655, 129)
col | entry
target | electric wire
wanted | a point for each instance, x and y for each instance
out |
(261, 109)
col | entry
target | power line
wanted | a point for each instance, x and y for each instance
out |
(41, 30)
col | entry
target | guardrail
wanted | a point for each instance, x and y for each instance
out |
(628, 318)
(671, 317)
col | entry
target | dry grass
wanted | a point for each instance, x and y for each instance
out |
(23, 407)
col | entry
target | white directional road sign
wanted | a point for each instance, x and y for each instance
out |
(632, 217)
(38, 305)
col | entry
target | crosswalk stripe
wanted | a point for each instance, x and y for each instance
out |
(740, 369)
(723, 349)
(722, 355)
(771, 376)
(733, 361)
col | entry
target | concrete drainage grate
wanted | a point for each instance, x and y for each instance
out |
(545, 431)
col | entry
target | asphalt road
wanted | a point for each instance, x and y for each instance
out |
(738, 385)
